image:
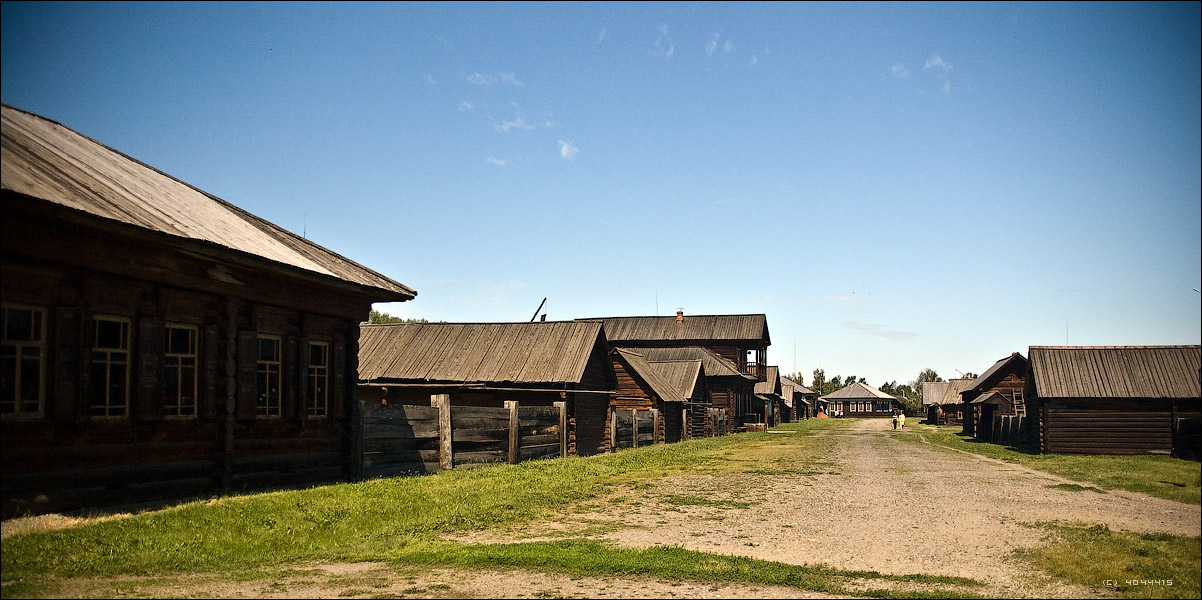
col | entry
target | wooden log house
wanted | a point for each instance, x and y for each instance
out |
(766, 409)
(996, 392)
(742, 340)
(719, 379)
(687, 376)
(159, 342)
(860, 400)
(804, 400)
(1113, 400)
(642, 386)
(488, 364)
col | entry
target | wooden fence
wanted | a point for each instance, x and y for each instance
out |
(1005, 430)
(633, 427)
(407, 439)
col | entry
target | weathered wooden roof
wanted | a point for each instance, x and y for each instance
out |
(660, 385)
(682, 374)
(1116, 371)
(990, 398)
(987, 379)
(552, 352)
(715, 365)
(789, 388)
(934, 391)
(694, 328)
(45, 160)
(955, 388)
(771, 385)
(858, 391)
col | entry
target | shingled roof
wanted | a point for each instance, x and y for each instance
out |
(715, 366)
(44, 160)
(550, 352)
(1116, 371)
(652, 376)
(986, 379)
(693, 328)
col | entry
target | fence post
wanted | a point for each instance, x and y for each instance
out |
(563, 427)
(613, 429)
(655, 428)
(443, 403)
(686, 427)
(515, 441)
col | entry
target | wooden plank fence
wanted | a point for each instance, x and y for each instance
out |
(633, 427)
(400, 439)
(1005, 429)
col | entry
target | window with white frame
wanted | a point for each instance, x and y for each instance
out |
(317, 395)
(22, 361)
(108, 393)
(268, 377)
(179, 371)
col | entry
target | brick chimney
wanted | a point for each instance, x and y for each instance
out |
(680, 316)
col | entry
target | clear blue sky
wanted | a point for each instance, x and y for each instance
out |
(897, 186)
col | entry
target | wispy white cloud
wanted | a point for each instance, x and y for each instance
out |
(899, 70)
(500, 162)
(663, 44)
(445, 41)
(880, 331)
(568, 150)
(755, 60)
(937, 61)
(601, 36)
(430, 80)
(716, 42)
(517, 122)
(489, 79)
(466, 106)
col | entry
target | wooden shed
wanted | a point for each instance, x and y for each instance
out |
(1113, 399)
(863, 401)
(766, 409)
(741, 339)
(644, 386)
(998, 392)
(724, 384)
(487, 364)
(932, 400)
(160, 342)
(688, 376)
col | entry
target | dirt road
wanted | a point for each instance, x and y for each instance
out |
(865, 500)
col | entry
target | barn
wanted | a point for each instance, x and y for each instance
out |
(1113, 399)
(159, 342)
(488, 364)
(644, 386)
(720, 379)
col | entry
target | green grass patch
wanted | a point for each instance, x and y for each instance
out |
(1155, 475)
(680, 500)
(1132, 565)
(1073, 487)
(590, 558)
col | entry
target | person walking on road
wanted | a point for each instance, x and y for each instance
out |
(901, 419)
(895, 419)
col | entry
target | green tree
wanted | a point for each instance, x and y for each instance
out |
(376, 317)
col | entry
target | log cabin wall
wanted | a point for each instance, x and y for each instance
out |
(134, 446)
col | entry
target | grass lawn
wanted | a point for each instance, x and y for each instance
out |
(402, 520)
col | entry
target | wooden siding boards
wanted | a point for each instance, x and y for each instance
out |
(154, 251)
(1112, 399)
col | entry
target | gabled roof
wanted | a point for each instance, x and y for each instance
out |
(955, 387)
(934, 391)
(715, 365)
(770, 386)
(682, 374)
(1015, 362)
(694, 328)
(43, 159)
(858, 391)
(543, 352)
(659, 385)
(990, 398)
(1116, 371)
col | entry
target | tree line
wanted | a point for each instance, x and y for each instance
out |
(909, 393)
